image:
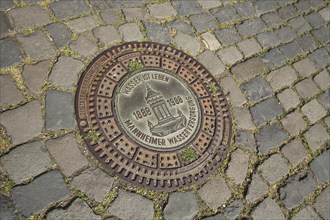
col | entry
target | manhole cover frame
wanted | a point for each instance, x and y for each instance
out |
(187, 69)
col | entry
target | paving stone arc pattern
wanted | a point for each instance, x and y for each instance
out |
(270, 57)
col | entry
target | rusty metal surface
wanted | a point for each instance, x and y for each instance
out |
(161, 125)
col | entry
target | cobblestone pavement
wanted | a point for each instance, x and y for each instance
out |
(270, 57)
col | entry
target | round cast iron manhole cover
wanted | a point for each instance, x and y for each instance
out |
(153, 115)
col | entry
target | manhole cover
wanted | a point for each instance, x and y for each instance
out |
(153, 115)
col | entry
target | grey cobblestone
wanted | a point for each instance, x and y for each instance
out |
(285, 34)
(227, 36)
(274, 168)
(59, 110)
(94, 183)
(215, 192)
(67, 10)
(37, 46)
(182, 27)
(264, 7)
(306, 88)
(251, 27)
(64, 72)
(305, 213)
(257, 188)
(322, 35)
(209, 4)
(248, 69)
(129, 206)
(212, 63)
(245, 139)
(77, 210)
(273, 58)
(7, 207)
(295, 152)
(270, 137)
(203, 22)
(210, 41)
(268, 39)
(287, 12)
(238, 166)
(256, 89)
(158, 33)
(289, 99)
(272, 19)
(282, 77)
(70, 161)
(316, 137)
(249, 47)
(176, 209)
(110, 17)
(9, 94)
(41, 192)
(325, 13)
(297, 189)
(307, 42)
(31, 115)
(291, 50)
(131, 32)
(30, 16)
(324, 99)
(230, 55)
(320, 57)
(300, 25)
(135, 13)
(243, 118)
(26, 161)
(294, 123)
(60, 34)
(161, 11)
(314, 111)
(186, 42)
(83, 47)
(303, 6)
(305, 67)
(6, 4)
(5, 25)
(81, 25)
(107, 34)
(245, 9)
(225, 14)
(267, 209)
(321, 203)
(265, 111)
(236, 96)
(186, 7)
(320, 166)
(233, 210)
(315, 19)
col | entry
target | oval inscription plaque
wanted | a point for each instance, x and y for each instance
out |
(157, 110)
(153, 115)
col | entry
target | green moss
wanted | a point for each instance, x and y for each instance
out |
(4, 140)
(189, 155)
(7, 185)
(134, 65)
(213, 88)
(93, 135)
(79, 137)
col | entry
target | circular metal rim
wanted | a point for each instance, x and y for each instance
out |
(174, 183)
